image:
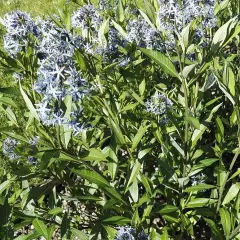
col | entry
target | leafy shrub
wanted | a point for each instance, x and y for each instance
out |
(123, 122)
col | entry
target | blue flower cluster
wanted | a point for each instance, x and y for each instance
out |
(18, 26)
(173, 15)
(87, 17)
(57, 77)
(10, 145)
(9, 148)
(128, 233)
(140, 32)
(158, 104)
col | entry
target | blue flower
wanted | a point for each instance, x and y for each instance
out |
(158, 104)
(18, 26)
(9, 148)
(87, 17)
(128, 233)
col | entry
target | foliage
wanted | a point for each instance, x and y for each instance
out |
(123, 121)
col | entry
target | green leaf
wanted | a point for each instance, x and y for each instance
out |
(146, 18)
(120, 220)
(220, 126)
(222, 34)
(231, 81)
(101, 33)
(205, 163)
(165, 235)
(112, 232)
(171, 219)
(31, 236)
(209, 82)
(51, 230)
(10, 91)
(11, 116)
(16, 136)
(226, 221)
(116, 129)
(120, 29)
(113, 161)
(199, 187)
(163, 61)
(95, 155)
(77, 233)
(188, 69)
(8, 101)
(197, 134)
(168, 170)
(134, 172)
(200, 202)
(141, 131)
(142, 87)
(184, 36)
(151, 12)
(133, 190)
(5, 185)
(65, 225)
(237, 173)
(111, 192)
(93, 177)
(67, 132)
(135, 219)
(224, 90)
(55, 211)
(40, 227)
(120, 11)
(232, 193)
(193, 121)
(168, 209)
(29, 103)
(128, 107)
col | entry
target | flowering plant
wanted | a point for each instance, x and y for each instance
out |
(122, 121)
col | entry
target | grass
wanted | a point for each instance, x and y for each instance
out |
(34, 7)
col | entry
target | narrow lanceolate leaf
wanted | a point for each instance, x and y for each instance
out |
(120, 29)
(237, 173)
(163, 61)
(134, 172)
(67, 132)
(79, 234)
(232, 193)
(226, 221)
(200, 202)
(194, 122)
(101, 33)
(118, 133)
(5, 185)
(55, 211)
(29, 103)
(40, 227)
(168, 170)
(141, 131)
(120, 220)
(168, 209)
(171, 219)
(222, 34)
(93, 177)
(100, 181)
(199, 187)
